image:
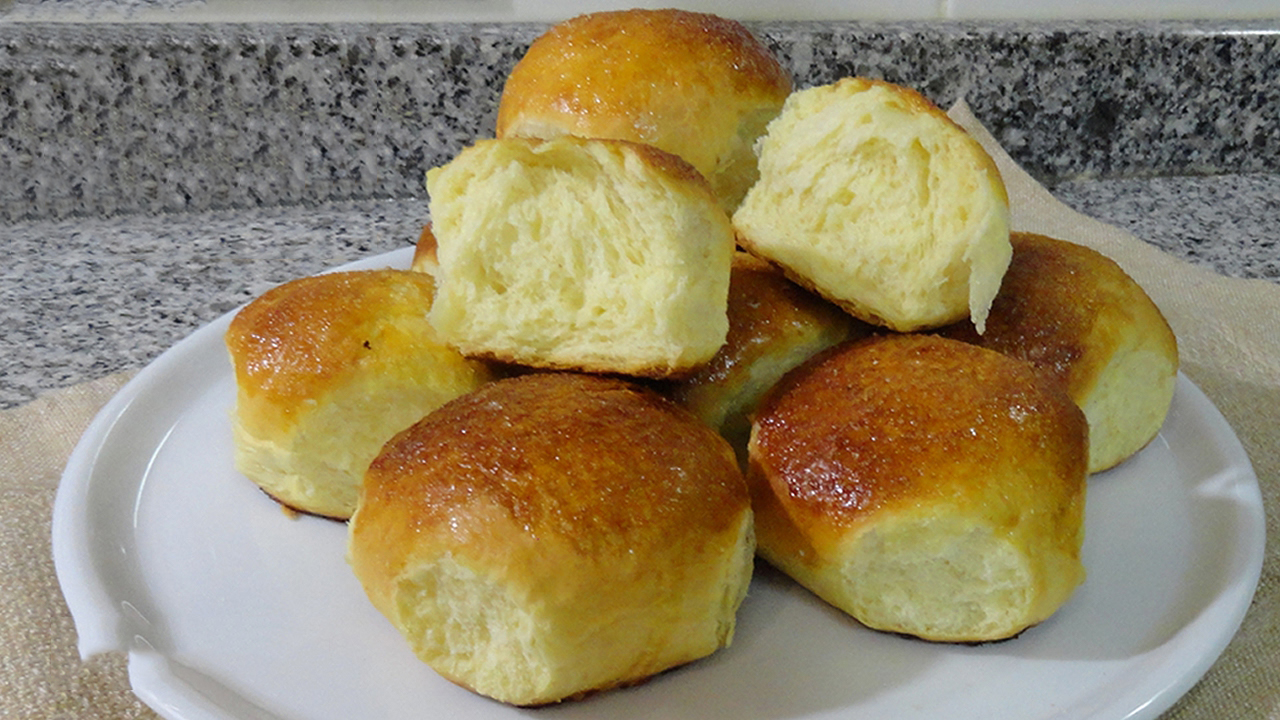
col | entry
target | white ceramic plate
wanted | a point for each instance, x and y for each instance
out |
(229, 608)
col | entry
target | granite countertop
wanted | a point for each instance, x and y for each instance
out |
(155, 177)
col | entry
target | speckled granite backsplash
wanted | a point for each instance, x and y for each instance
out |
(99, 120)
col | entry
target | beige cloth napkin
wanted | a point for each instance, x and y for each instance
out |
(41, 675)
(1229, 335)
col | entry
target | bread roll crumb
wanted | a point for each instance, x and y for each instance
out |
(579, 254)
(871, 196)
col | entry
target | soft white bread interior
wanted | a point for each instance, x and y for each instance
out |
(696, 85)
(1076, 315)
(579, 254)
(871, 196)
(556, 534)
(774, 325)
(327, 369)
(924, 486)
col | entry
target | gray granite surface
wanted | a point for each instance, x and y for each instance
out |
(83, 298)
(1226, 223)
(86, 9)
(104, 119)
(155, 177)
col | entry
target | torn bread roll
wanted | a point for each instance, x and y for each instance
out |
(327, 369)
(556, 534)
(924, 486)
(872, 197)
(1075, 314)
(696, 85)
(579, 254)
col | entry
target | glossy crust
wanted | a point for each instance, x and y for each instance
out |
(924, 486)
(327, 369)
(555, 534)
(696, 85)
(1076, 315)
(774, 325)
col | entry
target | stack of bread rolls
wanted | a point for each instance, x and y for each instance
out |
(677, 313)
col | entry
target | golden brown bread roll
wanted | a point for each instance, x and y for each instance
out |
(696, 85)
(555, 534)
(872, 197)
(579, 254)
(924, 486)
(774, 325)
(327, 369)
(1075, 314)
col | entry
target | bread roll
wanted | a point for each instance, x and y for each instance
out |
(696, 85)
(1076, 315)
(555, 534)
(871, 196)
(924, 486)
(579, 254)
(774, 325)
(327, 369)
